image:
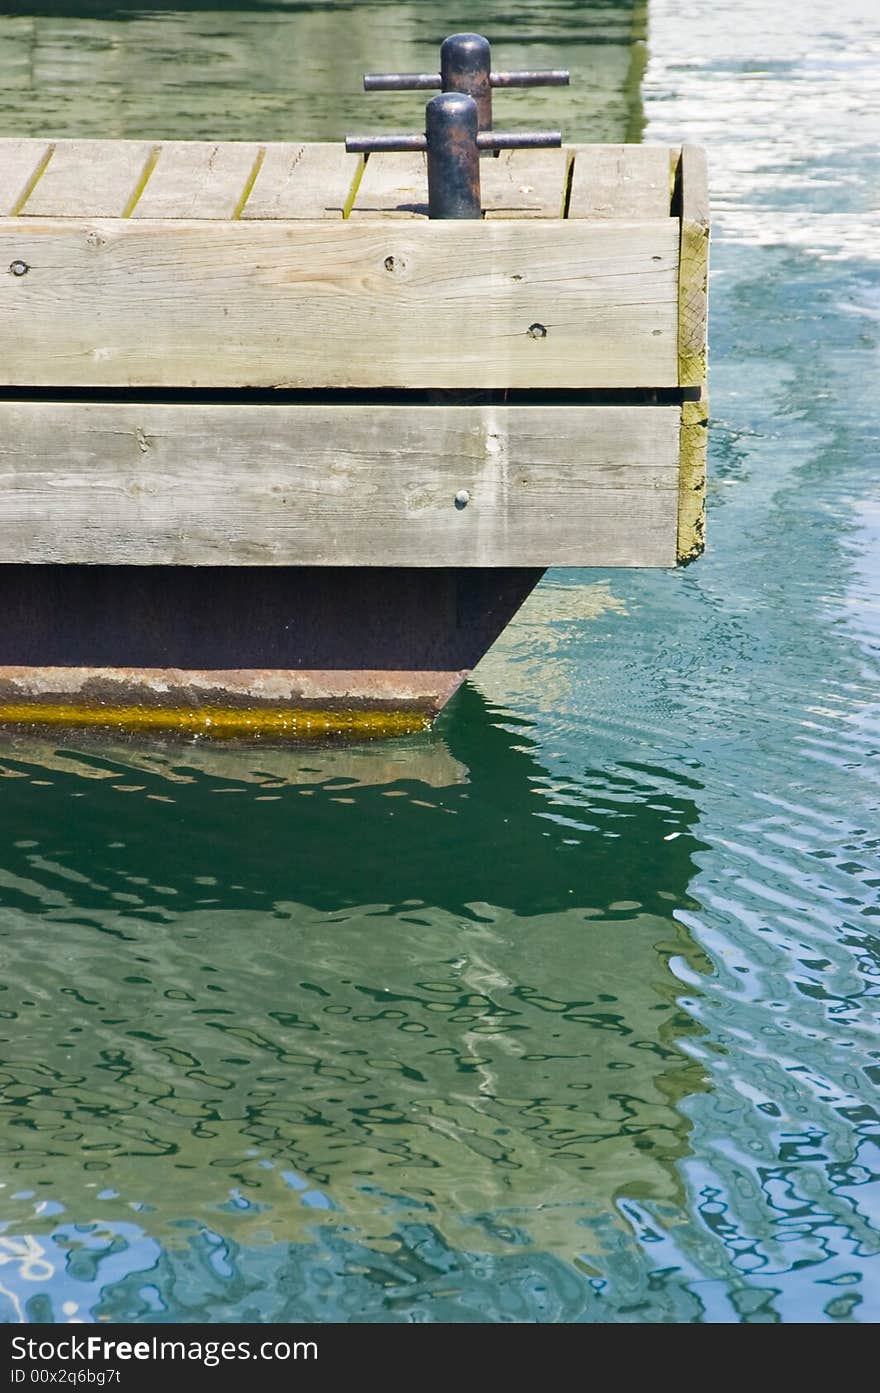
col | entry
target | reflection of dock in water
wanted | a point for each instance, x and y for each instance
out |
(478, 1033)
(529, 664)
(424, 758)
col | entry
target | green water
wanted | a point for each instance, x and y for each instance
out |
(568, 1010)
(285, 70)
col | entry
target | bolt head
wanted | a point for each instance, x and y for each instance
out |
(462, 498)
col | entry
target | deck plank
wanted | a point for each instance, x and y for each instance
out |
(518, 184)
(620, 181)
(197, 179)
(394, 184)
(524, 183)
(90, 179)
(20, 161)
(302, 181)
(161, 484)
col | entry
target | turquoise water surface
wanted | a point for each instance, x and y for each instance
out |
(566, 1011)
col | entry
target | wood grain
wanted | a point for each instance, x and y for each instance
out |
(90, 179)
(95, 178)
(394, 184)
(693, 303)
(153, 484)
(197, 179)
(20, 162)
(525, 183)
(693, 442)
(693, 267)
(529, 304)
(516, 184)
(620, 181)
(303, 181)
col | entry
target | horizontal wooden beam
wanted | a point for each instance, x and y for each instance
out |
(507, 304)
(418, 486)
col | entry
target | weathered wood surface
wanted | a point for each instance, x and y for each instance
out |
(228, 179)
(525, 183)
(528, 304)
(21, 162)
(162, 484)
(242, 291)
(91, 179)
(197, 179)
(693, 444)
(620, 181)
(394, 184)
(518, 184)
(302, 181)
(693, 267)
(692, 348)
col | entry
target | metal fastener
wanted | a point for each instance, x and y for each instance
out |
(19, 268)
(462, 498)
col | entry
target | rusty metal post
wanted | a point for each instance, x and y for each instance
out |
(458, 123)
(465, 66)
(451, 123)
(453, 142)
(401, 82)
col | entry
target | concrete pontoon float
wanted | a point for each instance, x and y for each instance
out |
(281, 454)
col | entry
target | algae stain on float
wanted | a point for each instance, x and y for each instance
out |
(218, 723)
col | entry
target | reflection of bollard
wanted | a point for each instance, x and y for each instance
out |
(465, 66)
(453, 143)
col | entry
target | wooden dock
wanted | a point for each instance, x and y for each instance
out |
(227, 356)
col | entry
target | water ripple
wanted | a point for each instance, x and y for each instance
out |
(567, 1012)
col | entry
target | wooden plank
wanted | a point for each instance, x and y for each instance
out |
(693, 192)
(692, 481)
(90, 179)
(161, 484)
(394, 184)
(620, 181)
(20, 165)
(524, 184)
(303, 181)
(694, 267)
(198, 179)
(538, 304)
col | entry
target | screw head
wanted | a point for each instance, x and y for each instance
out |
(462, 498)
(19, 268)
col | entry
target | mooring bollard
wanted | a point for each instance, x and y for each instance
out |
(466, 66)
(458, 123)
(453, 142)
